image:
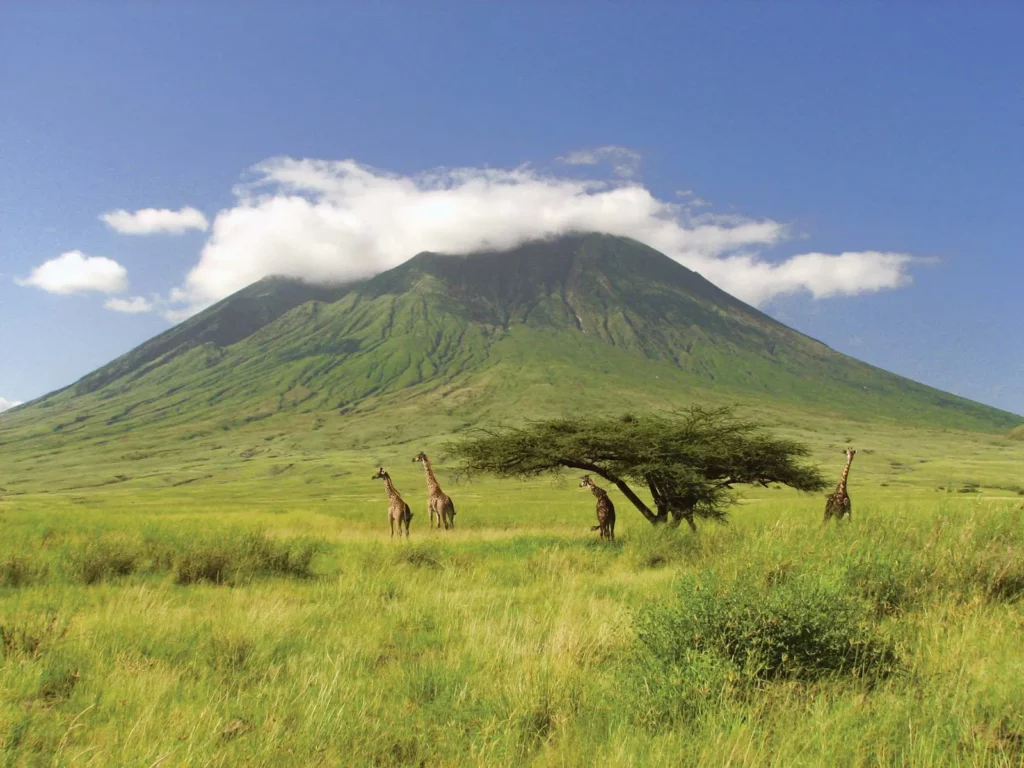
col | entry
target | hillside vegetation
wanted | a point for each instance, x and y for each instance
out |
(195, 566)
(586, 323)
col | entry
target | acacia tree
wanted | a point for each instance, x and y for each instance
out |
(688, 460)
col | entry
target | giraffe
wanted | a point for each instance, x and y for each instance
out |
(837, 504)
(398, 510)
(605, 509)
(439, 503)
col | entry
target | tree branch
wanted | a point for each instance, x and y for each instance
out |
(618, 482)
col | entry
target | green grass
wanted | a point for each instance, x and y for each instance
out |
(586, 323)
(261, 616)
(195, 567)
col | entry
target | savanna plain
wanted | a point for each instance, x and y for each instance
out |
(243, 604)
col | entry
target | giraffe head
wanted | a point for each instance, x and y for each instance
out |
(381, 474)
(586, 482)
(421, 456)
(850, 453)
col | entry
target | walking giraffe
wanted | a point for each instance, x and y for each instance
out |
(398, 510)
(605, 509)
(439, 503)
(837, 504)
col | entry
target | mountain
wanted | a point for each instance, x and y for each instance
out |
(581, 322)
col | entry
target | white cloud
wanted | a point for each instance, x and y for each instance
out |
(823, 275)
(330, 221)
(6, 404)
(150, 221)
(132, 306)
(74, 272)
(624, 161)
(692, 199)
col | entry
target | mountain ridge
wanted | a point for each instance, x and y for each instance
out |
(546, 325)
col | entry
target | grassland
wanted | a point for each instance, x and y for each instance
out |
(247, 608)
(195, 567)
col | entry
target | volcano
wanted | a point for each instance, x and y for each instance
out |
(583, 322)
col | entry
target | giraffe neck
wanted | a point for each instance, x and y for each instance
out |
(432, 484)
(846, 474)
(598, 492)
(389, 488)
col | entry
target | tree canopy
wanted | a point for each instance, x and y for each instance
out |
(688, 460)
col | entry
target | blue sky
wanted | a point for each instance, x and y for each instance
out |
(853, 169)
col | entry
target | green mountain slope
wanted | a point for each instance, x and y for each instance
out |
(442, 342)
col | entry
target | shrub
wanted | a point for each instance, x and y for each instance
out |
(999, 572)
(239, 556)
(661, 546)
(805, 627)
(884, 580)
(102, 558)
(662, 693)
(30, 635)
(19, 570)
(58, 676)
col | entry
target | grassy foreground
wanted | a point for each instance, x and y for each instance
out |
(254, 625)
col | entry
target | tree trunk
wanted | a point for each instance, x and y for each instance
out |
(685, 513)
(651, 517)
(659, 501)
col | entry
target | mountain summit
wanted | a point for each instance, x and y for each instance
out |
(584, 321)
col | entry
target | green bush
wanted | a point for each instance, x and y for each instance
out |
(102, 558)
(233, 557)
(19, 570)
(805, 627)
(29, 635)
(999, 572)
(883, 579)
(661, 546)
(662, 693)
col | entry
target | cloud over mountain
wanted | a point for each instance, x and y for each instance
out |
(324, 221)
(6, 404)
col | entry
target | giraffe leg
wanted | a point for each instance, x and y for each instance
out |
(392, 521)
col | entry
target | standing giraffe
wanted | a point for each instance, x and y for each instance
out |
(439, 503)
(605, 509)
(398, 510)
(837, 504)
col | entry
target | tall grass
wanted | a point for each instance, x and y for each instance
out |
(892, 640)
